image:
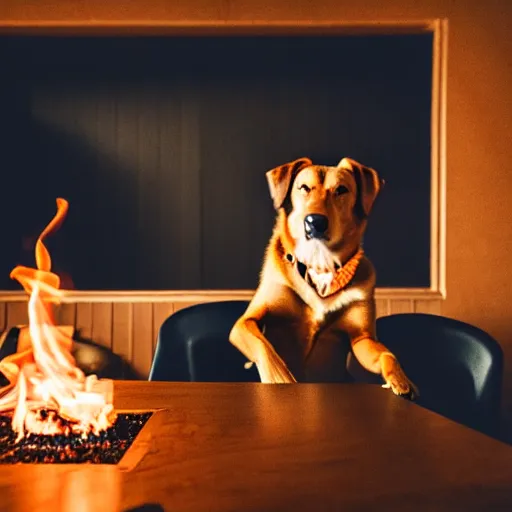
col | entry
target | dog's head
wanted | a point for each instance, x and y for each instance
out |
(326, 207)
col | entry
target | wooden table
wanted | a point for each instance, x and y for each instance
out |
(256, 447)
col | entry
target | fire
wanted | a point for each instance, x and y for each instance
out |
(47, 393)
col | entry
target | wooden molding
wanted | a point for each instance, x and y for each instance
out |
(438, 160)
(52, 25)
(190, 296)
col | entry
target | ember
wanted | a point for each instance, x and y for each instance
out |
(106, 448)
(46, 392)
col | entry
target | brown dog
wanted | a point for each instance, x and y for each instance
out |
(315, 300)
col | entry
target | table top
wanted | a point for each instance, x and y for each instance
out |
(261, 447)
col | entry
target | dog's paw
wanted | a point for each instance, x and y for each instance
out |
(409, 392)
(396, 379)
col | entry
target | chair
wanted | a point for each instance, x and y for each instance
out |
(90, 357)
(193, 346)
(93, 358)
(457, 367)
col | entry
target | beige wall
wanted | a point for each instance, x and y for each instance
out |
(479, 117)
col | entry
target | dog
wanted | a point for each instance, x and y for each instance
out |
(314, 306)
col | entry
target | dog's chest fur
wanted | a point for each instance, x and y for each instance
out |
(318, 308)
(304, 330)
(309, 342)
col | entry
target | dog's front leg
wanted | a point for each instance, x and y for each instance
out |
(248, 338)
(376, 358)
(359, 323)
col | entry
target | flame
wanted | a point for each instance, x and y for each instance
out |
(47, 392)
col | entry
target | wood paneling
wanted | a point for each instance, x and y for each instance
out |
(66, 314)
(161, 311)
(432, 307)
(102, 324)
(122, 330)
(142, 337)
(17, 313)
(401, 306)
(382, 307)
(130, 329)
(84, 319)
(3, 318)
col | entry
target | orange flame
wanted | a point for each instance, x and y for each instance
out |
(45, 376)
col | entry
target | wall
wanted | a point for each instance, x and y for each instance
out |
(479, 118)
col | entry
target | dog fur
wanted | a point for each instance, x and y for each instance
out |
(292, 330)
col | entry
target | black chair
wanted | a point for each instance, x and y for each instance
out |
(193, 346)
(93, 358)
(457, 367)
(90, 357)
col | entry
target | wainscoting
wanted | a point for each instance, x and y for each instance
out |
(128, 323)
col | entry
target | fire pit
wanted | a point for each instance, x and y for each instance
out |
(50, 412)
(108, 447)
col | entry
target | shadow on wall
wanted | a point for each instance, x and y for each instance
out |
(96, 245)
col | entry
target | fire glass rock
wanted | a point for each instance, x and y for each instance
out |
(106, 448)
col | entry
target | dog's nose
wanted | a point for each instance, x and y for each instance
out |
(315, 225)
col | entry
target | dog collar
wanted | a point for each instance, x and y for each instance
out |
(341, 278)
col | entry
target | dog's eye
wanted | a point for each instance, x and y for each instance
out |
(341, 190)
(304, 189)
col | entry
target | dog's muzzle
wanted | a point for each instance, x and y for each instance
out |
(315, 225)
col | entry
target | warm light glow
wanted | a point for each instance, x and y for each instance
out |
(47, 392)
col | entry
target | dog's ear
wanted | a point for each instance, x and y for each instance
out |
(280, 179)
(368, 185)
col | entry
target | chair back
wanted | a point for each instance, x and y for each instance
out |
(457, 367)
(193, 346)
